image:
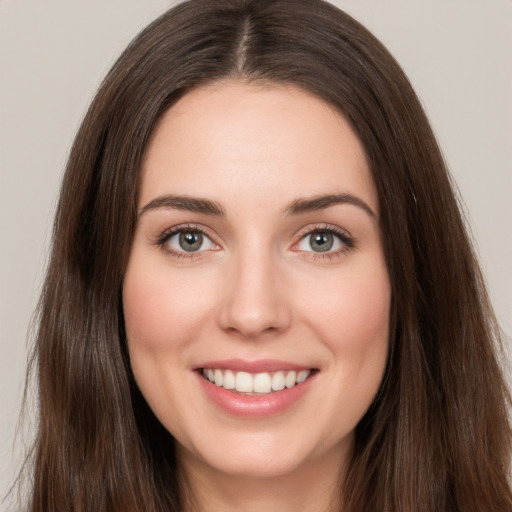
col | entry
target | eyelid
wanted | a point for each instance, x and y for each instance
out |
(167, 234)
(348, 241)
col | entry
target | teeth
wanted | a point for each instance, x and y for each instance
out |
(243, 382)
(262, 383)
(229, 380)
(302, 376)
(259, 383)
(289, 380)
(278, 381)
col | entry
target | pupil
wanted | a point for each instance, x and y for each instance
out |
(191, 241)
(322, 242)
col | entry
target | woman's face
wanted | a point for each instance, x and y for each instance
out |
(257, 262)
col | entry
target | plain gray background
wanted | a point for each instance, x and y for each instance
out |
(53, 55)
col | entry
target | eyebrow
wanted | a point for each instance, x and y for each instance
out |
(186, 203)
(296, 207)
(306, 205)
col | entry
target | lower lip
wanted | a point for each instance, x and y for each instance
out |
(251, 406)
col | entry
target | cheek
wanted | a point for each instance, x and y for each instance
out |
(144, 305)
(162, 308)
(352, 310)
(352, 320)
(350, 315)
(163, 314)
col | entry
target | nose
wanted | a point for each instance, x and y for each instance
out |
(254, 298)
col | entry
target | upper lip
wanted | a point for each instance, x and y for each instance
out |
(259, 366)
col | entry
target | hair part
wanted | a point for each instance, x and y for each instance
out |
(437, 436)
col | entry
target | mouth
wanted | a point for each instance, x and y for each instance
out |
(255, 389)
(255, 384)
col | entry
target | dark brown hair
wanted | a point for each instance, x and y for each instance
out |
(436, 438)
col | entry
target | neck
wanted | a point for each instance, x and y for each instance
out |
(313, 487)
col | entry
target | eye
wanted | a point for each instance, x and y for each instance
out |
(324, 241)
(189, 241)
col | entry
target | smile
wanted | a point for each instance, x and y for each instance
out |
(256, 384)
(255, 389)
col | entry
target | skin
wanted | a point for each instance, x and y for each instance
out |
(258, 290)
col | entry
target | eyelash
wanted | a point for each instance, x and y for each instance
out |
(163, 239)
(348, 241)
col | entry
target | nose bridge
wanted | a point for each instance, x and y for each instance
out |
(254, 301)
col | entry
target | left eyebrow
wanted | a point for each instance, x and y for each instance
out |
(306, 205)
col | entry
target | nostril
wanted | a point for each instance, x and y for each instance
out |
(253, 307)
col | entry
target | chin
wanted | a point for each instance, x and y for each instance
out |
(258, 455)
(258, 466)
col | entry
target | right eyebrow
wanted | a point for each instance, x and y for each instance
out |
(186, 203)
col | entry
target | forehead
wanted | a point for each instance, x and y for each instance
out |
(232, 139)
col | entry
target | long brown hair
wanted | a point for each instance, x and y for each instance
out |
(436, 438)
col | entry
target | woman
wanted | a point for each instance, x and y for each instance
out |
(261, 294)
